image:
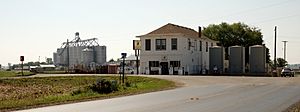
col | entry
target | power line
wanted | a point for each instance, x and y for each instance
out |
(278, 18)
(249, 10)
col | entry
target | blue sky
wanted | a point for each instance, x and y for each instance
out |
(36, 28)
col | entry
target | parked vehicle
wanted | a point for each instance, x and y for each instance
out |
(128, 70)
(287, 72)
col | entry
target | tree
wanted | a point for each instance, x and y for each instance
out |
(235, 34)
(111, 60)
(49, 61)
(281, 62)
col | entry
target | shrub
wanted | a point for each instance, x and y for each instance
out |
(127, 84)
(104, 86)
(78, 91)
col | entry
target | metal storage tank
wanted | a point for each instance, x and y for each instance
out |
(88, 56)
(55, 59)
(62, 58)
(75, 55)
(79, 53)
(216, 59)
(100, 54)
(257, 59)
(236, 59)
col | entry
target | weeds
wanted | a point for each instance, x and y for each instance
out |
(104, 86)
(24, 92)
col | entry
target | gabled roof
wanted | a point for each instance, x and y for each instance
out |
(172, 29)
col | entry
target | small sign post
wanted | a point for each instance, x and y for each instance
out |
(22, 59)
(137, 47)
(123, 66)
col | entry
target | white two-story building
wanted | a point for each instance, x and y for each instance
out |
(174, 49)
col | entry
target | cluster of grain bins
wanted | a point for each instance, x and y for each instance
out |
(257, 59)
(84, 53)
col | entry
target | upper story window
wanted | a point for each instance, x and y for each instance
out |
(212, 44)
(160, 44)
(206, 49)
(148, 45)
(174, 43)
(195, 45)
(189, 44)
(200, 45)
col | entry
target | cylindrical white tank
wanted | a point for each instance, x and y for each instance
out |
(257, 59)
(216, 59)
(236, 59)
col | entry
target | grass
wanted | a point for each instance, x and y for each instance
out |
(24, 93)
(54, 72)
(14, 73)
(293, 108)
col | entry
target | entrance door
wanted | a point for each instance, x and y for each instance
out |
(164, 68)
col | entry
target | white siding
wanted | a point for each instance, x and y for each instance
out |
(191, 61)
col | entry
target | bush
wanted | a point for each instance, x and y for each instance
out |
(104, 86)
(78, 91)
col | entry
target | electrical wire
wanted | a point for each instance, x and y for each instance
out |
(249, 10)
(275, 19)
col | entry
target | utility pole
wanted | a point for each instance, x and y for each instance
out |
(22, 59)
(68, 56)
(275, 64)
(284, 49)
(137, 53)
(123, 66)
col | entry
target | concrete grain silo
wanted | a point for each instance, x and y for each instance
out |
(216, 59)
(79, 52)
(88, 56)
(236, 59)
(257, 59)
(100, 54)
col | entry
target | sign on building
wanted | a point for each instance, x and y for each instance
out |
(136, 45)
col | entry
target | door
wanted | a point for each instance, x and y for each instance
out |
(164, 68)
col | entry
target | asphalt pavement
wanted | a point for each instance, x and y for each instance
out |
(200, 94)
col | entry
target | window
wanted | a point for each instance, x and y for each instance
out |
(153, 63)
(189, 44)
(160, 44)
(174, 43)
(206, 49)
(212, 44)
(200, 45)
(195, 45)
(175, 63)
(148, 45)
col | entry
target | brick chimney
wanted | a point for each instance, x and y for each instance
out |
(199, 32)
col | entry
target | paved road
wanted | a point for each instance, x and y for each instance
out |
(200, 94)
